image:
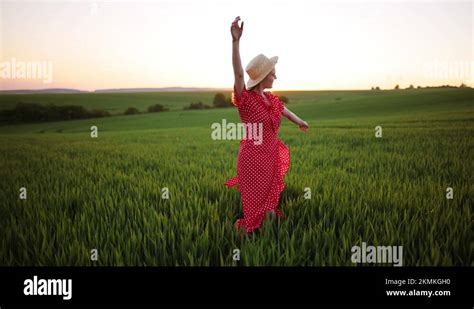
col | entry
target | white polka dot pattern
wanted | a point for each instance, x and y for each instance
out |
(260, 167)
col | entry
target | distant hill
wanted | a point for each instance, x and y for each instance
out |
(168, 89)
(49, 90)
(116, 90)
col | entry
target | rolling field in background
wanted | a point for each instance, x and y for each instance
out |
(105, 193)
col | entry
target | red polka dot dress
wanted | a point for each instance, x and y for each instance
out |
(262, 163)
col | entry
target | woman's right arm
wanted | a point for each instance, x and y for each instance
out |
(236, 32)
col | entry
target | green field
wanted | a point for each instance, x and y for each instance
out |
(105, 193)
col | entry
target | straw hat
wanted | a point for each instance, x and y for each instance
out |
(258, 68)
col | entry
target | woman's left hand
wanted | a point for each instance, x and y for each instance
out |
(303, 126)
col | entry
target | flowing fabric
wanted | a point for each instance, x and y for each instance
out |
(261, 162)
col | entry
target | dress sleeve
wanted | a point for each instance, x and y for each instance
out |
(279, 103)
(282, 105)
(239, 101)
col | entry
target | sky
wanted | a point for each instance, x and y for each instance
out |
(321, 45)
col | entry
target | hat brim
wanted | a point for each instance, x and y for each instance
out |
(253, 82)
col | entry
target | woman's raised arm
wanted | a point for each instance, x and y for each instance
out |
(236, 32)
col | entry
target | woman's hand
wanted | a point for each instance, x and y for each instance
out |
(235, 30)
(303, 125)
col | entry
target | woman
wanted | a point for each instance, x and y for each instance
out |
(260, 166)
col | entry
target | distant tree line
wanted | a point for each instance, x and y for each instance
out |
(156, 108)
(397, 87)
(220, 101)
(33, 112)
(197, 105)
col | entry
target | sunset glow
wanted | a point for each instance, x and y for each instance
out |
(320, 44)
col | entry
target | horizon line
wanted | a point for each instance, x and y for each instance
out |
(222, 89)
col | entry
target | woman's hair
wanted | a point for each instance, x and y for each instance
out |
(250, 89)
